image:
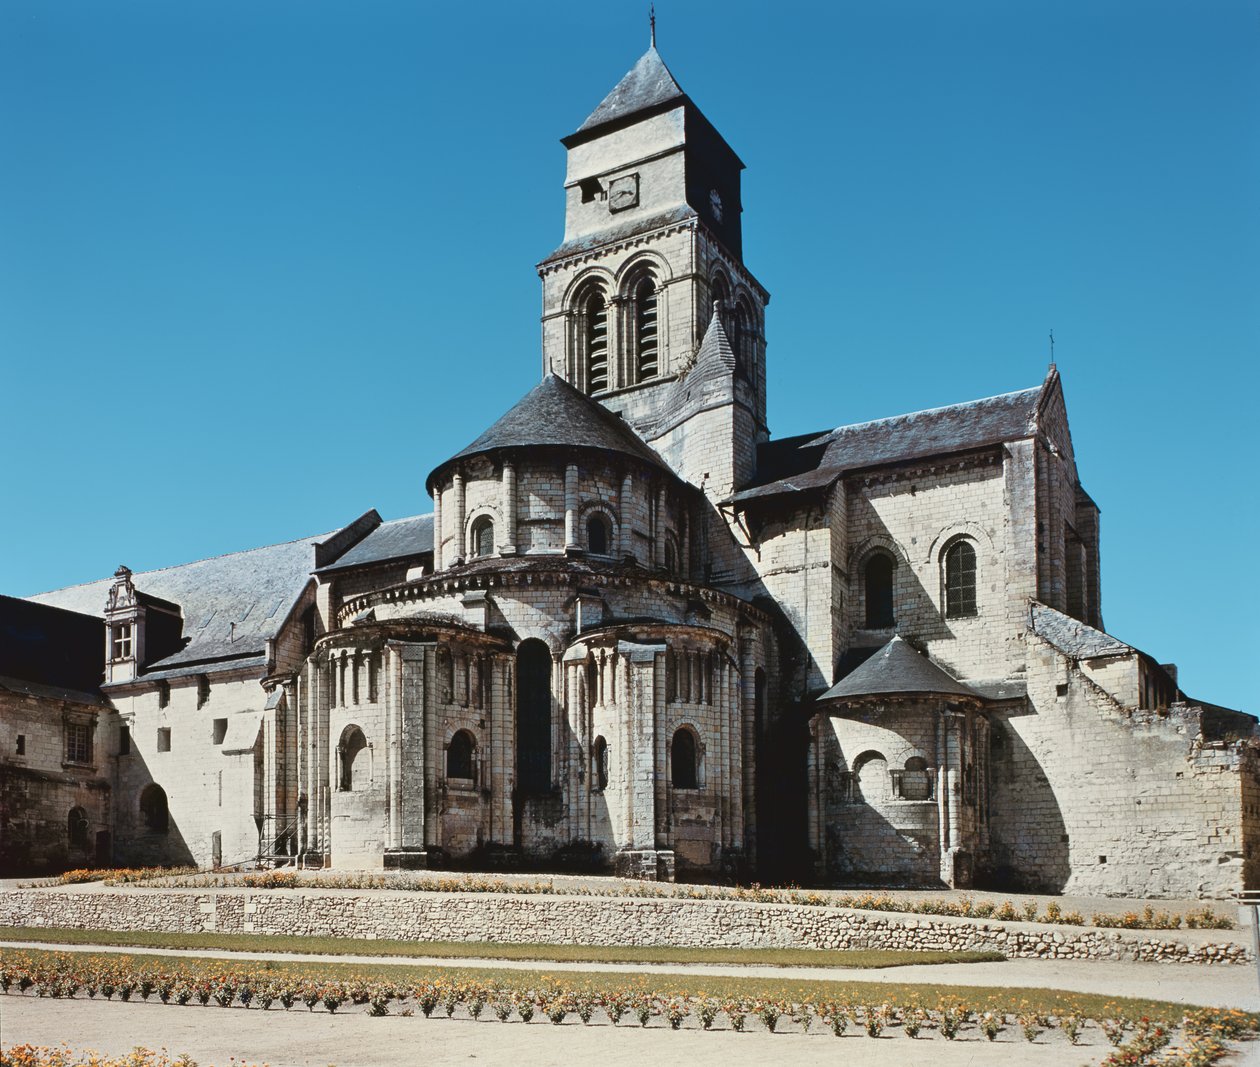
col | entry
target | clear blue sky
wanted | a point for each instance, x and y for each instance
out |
(265, 265)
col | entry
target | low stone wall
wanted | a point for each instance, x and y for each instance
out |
(495, 917)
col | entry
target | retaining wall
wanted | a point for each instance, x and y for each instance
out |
(495, 917)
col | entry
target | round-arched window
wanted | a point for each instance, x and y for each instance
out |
(483, 536)
(960, 580)
(878, 580)
(459, 756)
(599, 764)
(683, 760)
(354, 771)
(153, 809)
(77, 826)
(598, 535)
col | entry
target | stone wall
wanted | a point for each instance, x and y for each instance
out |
(507, 918)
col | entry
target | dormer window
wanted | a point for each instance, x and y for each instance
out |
(120, 641)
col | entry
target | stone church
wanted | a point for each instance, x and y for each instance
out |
(638, 634)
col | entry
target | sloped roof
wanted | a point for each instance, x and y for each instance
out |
(897, 669)
(813, 460)
(231, 604)
(396, 539)
(647, 84)
(1071, 636)
(555, 414)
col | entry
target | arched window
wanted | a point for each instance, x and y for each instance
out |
(533, 717)
(646, 336)
(960, 580)
(598, 535)
(599, 765)
(77, 826)
(671, 556)
(683, 759)
(153, 809)
(878, 578)
(720, 294)
(870, 778)
(914, 783)
(483, 536)
(459, 756)
(593, 326)
(354, 770)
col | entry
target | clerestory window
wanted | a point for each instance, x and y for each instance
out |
(960, 580)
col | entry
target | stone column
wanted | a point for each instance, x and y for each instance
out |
(393, 741)
(953, 756)
(570, 507)
(437, 527)
(457, 508)
(625, 547)
(508, 506)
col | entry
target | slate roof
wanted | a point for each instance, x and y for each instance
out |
(394, 540)
(648, 84)
(254, 590)
(556, 414)
(1072, 637)
(814, 460)
(898, 669)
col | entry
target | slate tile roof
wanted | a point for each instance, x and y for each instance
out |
(647, 84)
(555, 414)
(231, 604)
(394, 540)
(814, 460)
(898, 669)
(1072, 637)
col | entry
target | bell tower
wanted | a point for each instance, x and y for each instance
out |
(652, 252)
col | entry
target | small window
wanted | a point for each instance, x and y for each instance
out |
(153, 809)
(483, 537)
(164, 694)
(120, 647)
(220, 730)
(77, 826)
(960, 580)
(878, 577)
(597, 535)
(164, 739)
(599, 765)
(683, 760)
(124, 740)
(459, 756)
(78, 742)
(203, 690)
(21, 744)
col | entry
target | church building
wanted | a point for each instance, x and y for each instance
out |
(637, 634)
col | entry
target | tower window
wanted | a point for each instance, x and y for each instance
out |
(743, 341)
(645, 328)
(483, 536)
(595, 341)
(597, 535)
(960, 580)
(878, 577)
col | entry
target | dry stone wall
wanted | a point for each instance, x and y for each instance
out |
(626, 921)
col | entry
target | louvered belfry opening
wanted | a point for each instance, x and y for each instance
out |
(645, 310)
(596, 343)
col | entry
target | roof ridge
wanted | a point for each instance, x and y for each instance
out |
(931, 411)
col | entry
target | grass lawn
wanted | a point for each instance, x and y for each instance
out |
(976, 998)
(348, 946)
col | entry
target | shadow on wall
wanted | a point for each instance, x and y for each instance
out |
(52, 822)
(1028, 841)
(146, 832)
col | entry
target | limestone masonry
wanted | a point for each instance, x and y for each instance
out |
(637, 634)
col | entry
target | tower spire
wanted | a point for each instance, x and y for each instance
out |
(652, 22)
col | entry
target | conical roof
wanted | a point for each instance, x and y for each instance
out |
(898, 669)
(647, 84)
(555, 414)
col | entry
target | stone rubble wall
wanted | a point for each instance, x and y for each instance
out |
(623, 921)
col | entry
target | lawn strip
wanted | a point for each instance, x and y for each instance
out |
(1014, 1000)
(347, 946)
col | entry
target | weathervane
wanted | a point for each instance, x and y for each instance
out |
(652, 22)
(1052, 348)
